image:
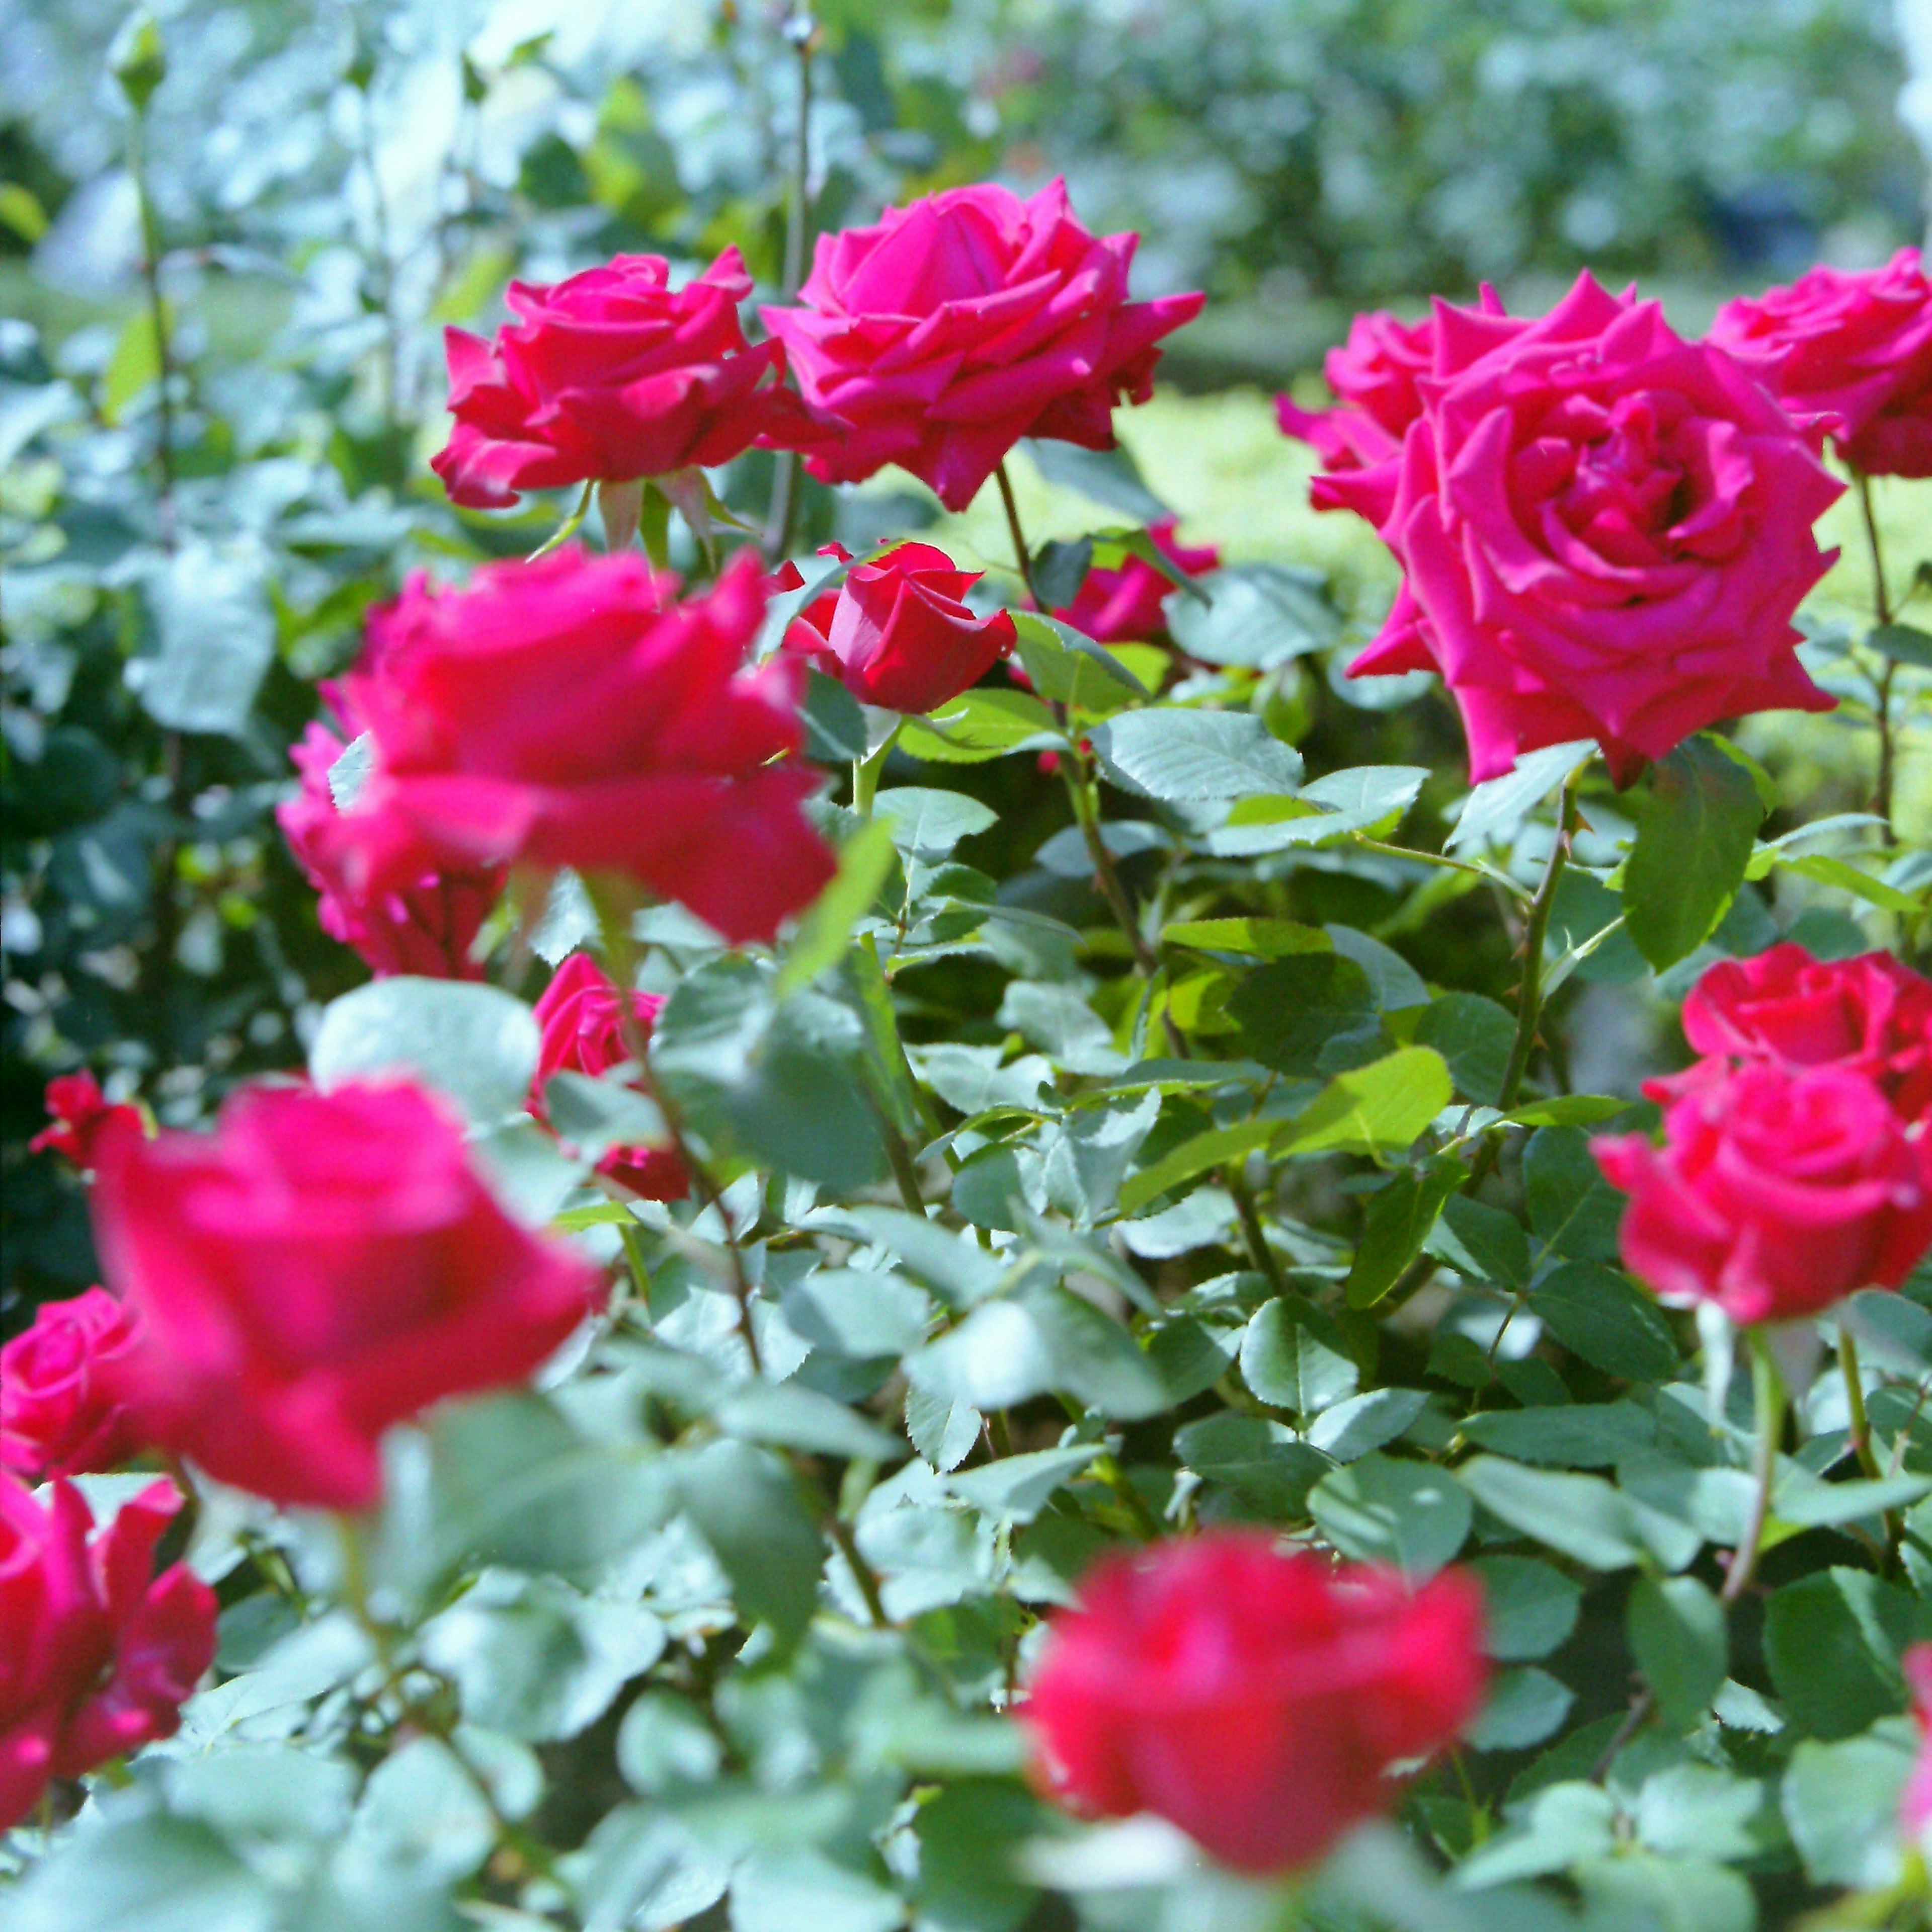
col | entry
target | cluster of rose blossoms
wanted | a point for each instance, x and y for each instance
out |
(1605, 531)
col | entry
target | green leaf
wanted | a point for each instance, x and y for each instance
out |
(1180, 755)
(1832, 1641)
(217, 637)
(1366, 798)
(421, 1810)
(1213, 1149)
(1566, 1435)
(858, 1313)
(794, 1417)
(1903, 644)
(1018, 1487)
(1529, 1607)
(1068, 668)
(1677, 1635)
(1481, 1242)
(747, 1507)
(1595, 1313)
(1261, 938)
(977, 726)
(1580, 1516)
(474, 1043)
(864, 860)
(161, 1874)
(835, 726)
(1395, 1224)
(1107, 477)
(1524, 1707)
(1494, 812)
(1260, 1460)
(928, 824)
(134, 367)
(1554, 1830)
(1572, 1207)
(1841, 1804)
(1694, 835)
(1289, 1010)
(1255, 616)
(1383, 1511)
(1377, 1109)
(1351, 1428)
(1289, 1365)
(1475, 1036)
(1060, 568)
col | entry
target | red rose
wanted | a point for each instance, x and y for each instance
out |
(1854, 349)
(961, 324)
(583, 1033)
(1774, 1194)
(1374, 375)
(570, 712)
(1124, 606)
(611, 376)
(1872, 1015)
(1915, 1806)
(97, 1654)
(1254, 1697)
(1604, 529)
(897, 633)
(83, 1120)
(426, 927)
(322, 1266)
(60, 1409)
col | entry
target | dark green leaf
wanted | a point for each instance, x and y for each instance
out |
(1677, 1637)
(1529, 1607)
(747, 1507)
(1595, 1313)
(1832, 1641)
(1475, 1036)
(1395, 1224)
(1291, 1008)
(1381, 1510)
(1694, 835)
(1573, 1209)
(1180, 755)
(1289, 1365)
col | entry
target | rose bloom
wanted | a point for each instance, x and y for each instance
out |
(1872, 1015)
(1775, 1194)
(1915, 1807)
(97, 1654)
(1604, 529)
(572, 712)
(426, 927)
(1124, 606)
(1254, 1697)
(898, 632)
(320, 1267)
(61, 1413)
(583, 1026)
(1853, 349)
(939, 338)
(1374, 375)
(83, 1117)
(609, 376)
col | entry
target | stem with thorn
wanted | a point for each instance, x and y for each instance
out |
(1881, 609)
(1768, 1390)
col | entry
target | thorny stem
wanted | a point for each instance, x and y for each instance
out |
(1767, 1388)
(1259, 1253)
(1860, 1428)
(1881, 608)
(1020, 556)
(801, 30)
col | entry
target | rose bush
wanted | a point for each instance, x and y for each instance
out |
(998, 1318)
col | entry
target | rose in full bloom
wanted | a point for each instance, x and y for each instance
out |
(1124, 606)
(572, 712)
(1254, 1697)
(61, 1411)
(1852, 349)
(1872, 1015)
(610, 376)
(426, 927)
(1774, 1194)
(1604, 531)
(321, 1266)
(897, 633)
(1915, 1808)
(960, 324)
(83, 1119)
(583, 1023)
(1374, 375)
(97, 1653)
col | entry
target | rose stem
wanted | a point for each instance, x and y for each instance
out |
(1882, 606)
(1767, 1389)
(800, 29)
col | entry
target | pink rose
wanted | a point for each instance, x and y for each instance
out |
(1915, 1807)
(426, 927)
(61, 1413)
(1124, 606)
(320, 1267)
(1605, 530)
(1775, 1194)
(1374, 375)
(583, 1032)
(97, 1654)
(961, 324)
(1872, 1015)
(570, 712)
(1255, 1697)
(83, 1120)
(610, 376)
(897, 633)
(1855, 349)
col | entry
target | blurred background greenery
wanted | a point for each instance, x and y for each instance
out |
(192, 521)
